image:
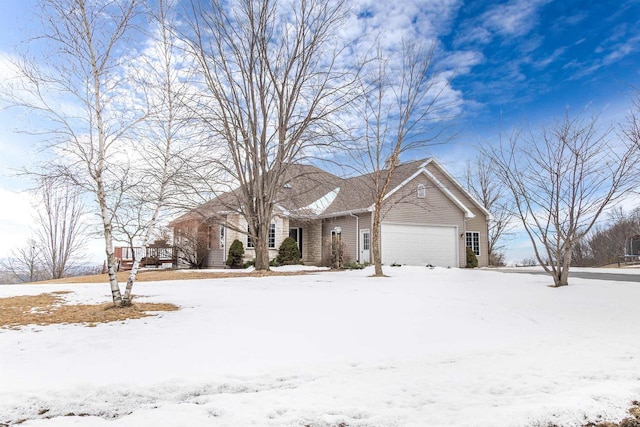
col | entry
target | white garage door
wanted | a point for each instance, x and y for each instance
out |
(419, 245)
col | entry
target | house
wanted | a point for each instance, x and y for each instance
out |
(428, 218)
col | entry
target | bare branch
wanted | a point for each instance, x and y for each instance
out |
(562, 179)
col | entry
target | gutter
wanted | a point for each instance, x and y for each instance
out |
(343, 213)
(357, 235)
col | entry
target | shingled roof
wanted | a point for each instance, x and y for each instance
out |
(310, 192)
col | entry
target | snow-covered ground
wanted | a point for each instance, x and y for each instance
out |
(630, 269)
(424, 347)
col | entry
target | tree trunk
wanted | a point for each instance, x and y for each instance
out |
(375, 243)
(561, 276)
(126, 301)
(262, 253)
(108, 241)
(113, 279)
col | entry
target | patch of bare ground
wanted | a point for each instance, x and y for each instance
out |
(51, 308)
(632, 421)
(161, 275)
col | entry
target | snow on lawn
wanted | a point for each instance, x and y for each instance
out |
(629, 269)
(433, 347)
(282, 268)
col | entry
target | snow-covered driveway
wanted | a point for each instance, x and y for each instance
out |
(434, 347)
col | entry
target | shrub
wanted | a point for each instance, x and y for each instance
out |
(472, 259)
(353, 266)
(288, 253)
(497, 259)
(250, 263)
(236, 254)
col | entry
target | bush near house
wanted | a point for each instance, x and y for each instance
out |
(236, 254)
(353, 266)
(472, 259)
(288, 253)
(334, 254)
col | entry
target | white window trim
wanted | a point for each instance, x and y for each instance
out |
(465, 241)
(272, 226)
(366, 231)
(422, 191)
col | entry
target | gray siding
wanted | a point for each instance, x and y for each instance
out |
(479, 223)
(351, 226)
(435, 208)
(365, 220)
(349, 236)
(215, 258)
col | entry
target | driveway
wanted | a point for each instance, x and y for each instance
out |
(599, 275)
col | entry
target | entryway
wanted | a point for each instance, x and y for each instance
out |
(365, 246)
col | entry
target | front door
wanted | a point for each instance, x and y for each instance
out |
(296, 234)
(365, 246)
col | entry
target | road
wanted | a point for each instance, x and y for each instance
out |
(613, 276)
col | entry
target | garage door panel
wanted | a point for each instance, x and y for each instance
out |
(419, 245)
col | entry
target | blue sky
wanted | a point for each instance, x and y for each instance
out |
(538, 57)
(516, 63)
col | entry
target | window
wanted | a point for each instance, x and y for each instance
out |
(209, 237)
(473, 241)
(366, 241)
(249, 239)
(422, 192)
(222, 237)
(272, 237)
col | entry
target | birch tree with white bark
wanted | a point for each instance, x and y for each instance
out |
(75, 86)
(163, 75)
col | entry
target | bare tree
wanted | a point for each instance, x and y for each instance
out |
(117, 136)
(483, 183)
(61, 227)
(401, 113)
(271, 84)
(192, 245)
(23, 263)
(562, 179)
(631, 130)
(607, 242)
(164, 136)
(86, 105)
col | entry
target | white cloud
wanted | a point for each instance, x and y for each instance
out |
(16, 219)
(513, 19)
(623, 49)
(551, 58)
(462, 61)
(394, 21)
(16, 207)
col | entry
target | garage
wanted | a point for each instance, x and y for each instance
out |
(420, 245)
